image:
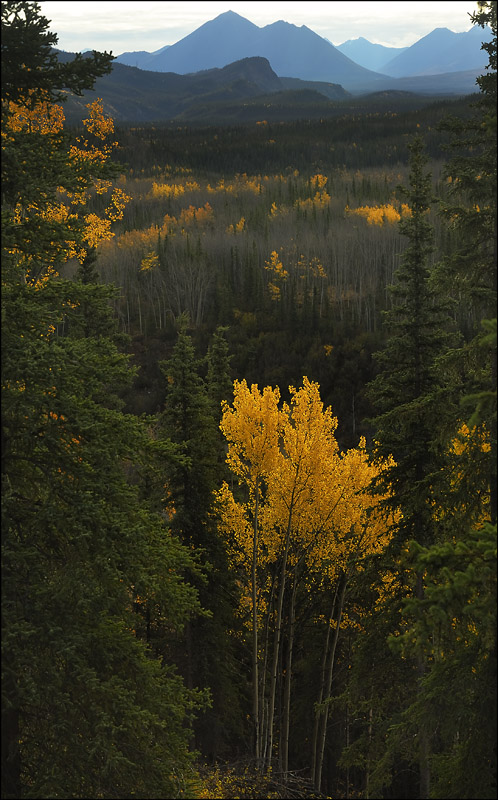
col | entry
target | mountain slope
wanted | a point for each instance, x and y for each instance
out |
(292, 51)
(217, 43)
(247, 90)
(133, 95)
(441, 51)
(369, 55)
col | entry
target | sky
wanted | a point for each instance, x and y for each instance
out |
(129, 25)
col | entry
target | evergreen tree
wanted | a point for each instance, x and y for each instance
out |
(87, 710)
(219, 388)
(188, 421)
(410, 396)
(408, 389)
(455, 622)
(219, 380)
(470, 213)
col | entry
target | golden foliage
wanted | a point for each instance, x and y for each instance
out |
(86, 160)
(378, 215)
(45, 118)
(276, 267)
(302, 489)
(149, 262)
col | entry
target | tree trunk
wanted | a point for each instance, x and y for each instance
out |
(322, 688)
(330, 672)
(263, 731)
(424, 765)
(255, 676)
(284, 748)
(276, 646)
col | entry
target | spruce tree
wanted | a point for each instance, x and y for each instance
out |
(469, 211)
(408, 391)
(412, 401)
(88, 710)
(455, 621)
(85, 710)
(188, 420)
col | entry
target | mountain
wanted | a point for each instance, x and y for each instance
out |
(369, 55)
(130, 94)
(135, 58)
(292, 51)
(217, 43)
(442, 51)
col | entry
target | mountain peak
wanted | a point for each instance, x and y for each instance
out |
(229, 15)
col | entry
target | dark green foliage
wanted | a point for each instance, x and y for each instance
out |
(470, 269)
(94, 712)
(219, 379)
(407, 391)
(88, 709)
(455, 624)
(187, 419)
(190, 419)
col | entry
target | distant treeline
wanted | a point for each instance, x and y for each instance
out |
(365, 132)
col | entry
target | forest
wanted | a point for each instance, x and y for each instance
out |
(248, 445)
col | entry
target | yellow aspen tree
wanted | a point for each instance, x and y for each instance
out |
(54, 221)
(252, 430)
(307, 504)
(308, 446)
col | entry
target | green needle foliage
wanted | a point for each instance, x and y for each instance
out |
(88, 708)
(408, 391)
(189, 419)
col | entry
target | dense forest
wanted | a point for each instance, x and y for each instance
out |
(248, 445)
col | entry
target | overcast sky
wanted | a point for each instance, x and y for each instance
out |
(122, 26)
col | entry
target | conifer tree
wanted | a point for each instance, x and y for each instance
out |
(409, 394)
(87, 708)
(456, 619)
(470, 213)
(407, 389)
(188, 421)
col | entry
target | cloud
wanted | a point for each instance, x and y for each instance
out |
(132, 25)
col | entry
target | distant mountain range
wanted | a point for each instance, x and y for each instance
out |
(369, 55)
(292, 51)
(303, 76)
(357, 65)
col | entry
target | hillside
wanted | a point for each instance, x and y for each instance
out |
(135, 95)
(247, 90)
